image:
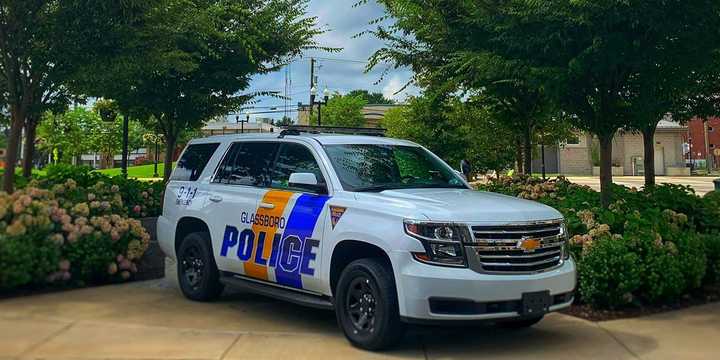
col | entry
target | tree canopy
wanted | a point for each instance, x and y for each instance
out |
(374, 98)
(584, 55)
(187, 61)
(344, 110)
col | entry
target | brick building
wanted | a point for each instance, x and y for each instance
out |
(696, 139)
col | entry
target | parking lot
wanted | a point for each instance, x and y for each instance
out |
(151, 320)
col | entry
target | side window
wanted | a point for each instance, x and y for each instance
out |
(193, 162)
(247, 164)
(291, 159)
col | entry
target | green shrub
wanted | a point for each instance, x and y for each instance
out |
(609, 273)
(140, 198)
(712, 250)
(649, 246)
(68, 234)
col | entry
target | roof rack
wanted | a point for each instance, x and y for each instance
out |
(310, 129)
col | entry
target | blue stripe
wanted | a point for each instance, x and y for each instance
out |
(301, 223)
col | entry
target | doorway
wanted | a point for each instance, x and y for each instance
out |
(659, 161)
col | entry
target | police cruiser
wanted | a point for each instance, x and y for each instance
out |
(380, 230)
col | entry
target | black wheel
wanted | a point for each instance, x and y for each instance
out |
(197, 273)
(520, 323)
(366, 305)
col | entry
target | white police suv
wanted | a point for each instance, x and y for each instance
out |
(380, 230)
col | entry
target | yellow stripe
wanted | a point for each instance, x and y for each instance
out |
(280, 199)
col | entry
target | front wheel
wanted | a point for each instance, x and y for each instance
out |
(366, 305)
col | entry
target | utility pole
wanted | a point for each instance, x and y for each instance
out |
(708, 155)
(312, 86)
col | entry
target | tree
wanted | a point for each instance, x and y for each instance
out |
(190, 60)
(454, 130)
(41, 42)
(83, 131)
(583, 53)
(67, 134)
(344, 110)
(374, 98)
(285, 121)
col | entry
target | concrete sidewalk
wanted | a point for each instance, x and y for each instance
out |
(701, 184)
(151, 320)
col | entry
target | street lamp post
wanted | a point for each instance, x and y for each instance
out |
(157, 157)
(326, 96)
(242, 122)
(125, 141)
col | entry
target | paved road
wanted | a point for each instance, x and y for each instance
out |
(701, 184)
(151, 320)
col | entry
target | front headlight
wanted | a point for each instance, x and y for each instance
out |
(443, 242)
(565, 238)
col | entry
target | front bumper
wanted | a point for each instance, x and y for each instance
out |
(435, 293)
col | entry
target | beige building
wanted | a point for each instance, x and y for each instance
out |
(223, 128)
(373, 114)
(627, 157)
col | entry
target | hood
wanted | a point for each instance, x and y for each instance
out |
(465, 205)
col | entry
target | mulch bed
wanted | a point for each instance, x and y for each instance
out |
(706, 295)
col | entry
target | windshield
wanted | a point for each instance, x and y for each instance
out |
(371, 167)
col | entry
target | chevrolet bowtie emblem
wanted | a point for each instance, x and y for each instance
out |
(528, 244)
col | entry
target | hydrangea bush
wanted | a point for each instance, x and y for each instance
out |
(650, 246)
(68, 234)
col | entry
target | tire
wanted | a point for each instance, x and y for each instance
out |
(366, 288)
(521, 323)
(197, 272)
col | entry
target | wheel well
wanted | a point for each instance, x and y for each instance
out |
(186, 226)
(348, 251)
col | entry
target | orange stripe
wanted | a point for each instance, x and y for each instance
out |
(280, 200)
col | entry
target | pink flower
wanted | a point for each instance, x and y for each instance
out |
(119, 258)
(137, 208)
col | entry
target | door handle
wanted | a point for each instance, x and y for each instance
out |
(265, 205)
(215, 198)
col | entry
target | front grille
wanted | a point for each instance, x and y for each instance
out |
(498, 248)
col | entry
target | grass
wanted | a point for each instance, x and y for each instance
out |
(138, 172)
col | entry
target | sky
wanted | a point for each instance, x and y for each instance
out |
(341, 71)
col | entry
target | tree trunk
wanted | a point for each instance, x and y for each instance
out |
(29, 151)
(11, 155)
(527, 149)
(649, 159)
(605, 169)
(170, 143)
(519, 158)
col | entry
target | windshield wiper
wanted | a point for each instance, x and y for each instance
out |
(377, 188)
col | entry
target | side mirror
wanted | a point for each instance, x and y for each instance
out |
(306, 181)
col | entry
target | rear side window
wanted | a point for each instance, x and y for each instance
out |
(247, 164)
(193, 162)
(294, 158)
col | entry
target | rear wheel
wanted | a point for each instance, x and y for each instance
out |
(366, 305)
(520, 323)
(198, 275)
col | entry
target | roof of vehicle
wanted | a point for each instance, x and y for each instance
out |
(322, 138)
